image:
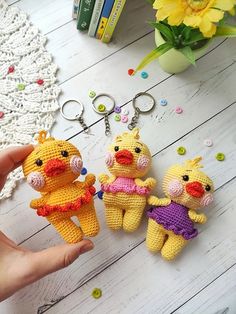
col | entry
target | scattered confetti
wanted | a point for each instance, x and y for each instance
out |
(96, 293)
(101, 108)
(117, 117)
(144, 75)
(178, 110)
(124, 119)
(208, 142)
(163, 102)
(117, 109)
(181, 150)
(220, 156)
(92, 94)
(124, 111)
(131, 72)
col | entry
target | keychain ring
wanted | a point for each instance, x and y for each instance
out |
(105, 112)
(77, 115)
(143, 94)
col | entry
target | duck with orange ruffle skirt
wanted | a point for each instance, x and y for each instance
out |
(52, 169)
(125, 193)
(171, 227)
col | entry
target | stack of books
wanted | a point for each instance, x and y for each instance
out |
(98, 17)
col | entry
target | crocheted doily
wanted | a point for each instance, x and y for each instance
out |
(28, 93)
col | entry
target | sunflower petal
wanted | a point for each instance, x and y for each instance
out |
(225, 5)
(192, 20)
(215, 15)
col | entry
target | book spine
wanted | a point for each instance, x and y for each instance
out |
(95, 17)
(75, 9)
(113, 19)
(85, 14)
(104, 18)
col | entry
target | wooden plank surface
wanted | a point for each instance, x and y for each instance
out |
(113, 246)
(202, 280)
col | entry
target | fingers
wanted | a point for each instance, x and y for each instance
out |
(12, 157)
(55, 258)
(5, 240)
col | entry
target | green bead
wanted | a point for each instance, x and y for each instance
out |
(21, 86)
(92, 94)
(117, 117)
(220, 156)
(101, 108)
(97, 293)
(181, 150)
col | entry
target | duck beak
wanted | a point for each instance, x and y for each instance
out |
(124, 157)
(195, 189)
(54, 167)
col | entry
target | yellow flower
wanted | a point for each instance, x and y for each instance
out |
(202, 14)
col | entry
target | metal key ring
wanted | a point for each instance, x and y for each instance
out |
(77, 115)
(105, 112)
(143, 94)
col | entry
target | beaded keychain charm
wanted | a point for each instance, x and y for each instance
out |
(102, 109)
(138, 111)
(78, 116)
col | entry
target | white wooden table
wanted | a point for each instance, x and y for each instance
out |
(203, 278)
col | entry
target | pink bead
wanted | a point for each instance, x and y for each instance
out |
(178, 110)
(124, 119)
(1, 114)
(11, 69)
(40, 82)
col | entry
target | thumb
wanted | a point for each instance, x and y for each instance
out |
(55, 258)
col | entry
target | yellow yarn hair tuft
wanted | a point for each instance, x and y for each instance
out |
(194, 163)
(43, 137)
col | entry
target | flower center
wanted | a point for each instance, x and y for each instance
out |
(198, 5)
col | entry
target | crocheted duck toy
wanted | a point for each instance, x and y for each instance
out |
(171, 227)
(125, 194)
(52, 169)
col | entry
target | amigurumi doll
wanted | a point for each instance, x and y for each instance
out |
(125, 194)
(171, 227)
(52, 169)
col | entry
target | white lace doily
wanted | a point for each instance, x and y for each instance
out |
(28, 93)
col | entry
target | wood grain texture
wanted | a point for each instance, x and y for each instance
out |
(114, 246)
(219, 297)
(200, 99)
(202, 280)
(144, 283)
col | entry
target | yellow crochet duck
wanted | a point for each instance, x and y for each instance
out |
(125, 194)
(52, 169)
(171, 227)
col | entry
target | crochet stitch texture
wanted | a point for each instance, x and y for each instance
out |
(52, 169)
(171, 226)
(125, 194)
(28, 92)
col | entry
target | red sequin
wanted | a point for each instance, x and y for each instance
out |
(131, 72)
(40, 82)
(11, 69)
(1, 114)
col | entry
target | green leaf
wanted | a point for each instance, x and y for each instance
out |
(226, 30)
(195, 36)
(186, 33)
(150, 1)
(188, 53)
(153, 55)
(165, 31)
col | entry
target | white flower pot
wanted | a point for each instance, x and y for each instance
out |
(174, 61)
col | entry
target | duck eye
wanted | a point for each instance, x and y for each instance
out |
(137, 150)
(64, 153)
(185, 178)
(207, 188)
(116, 148)
(39, 162)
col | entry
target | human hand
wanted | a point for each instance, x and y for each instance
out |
(18, 265)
